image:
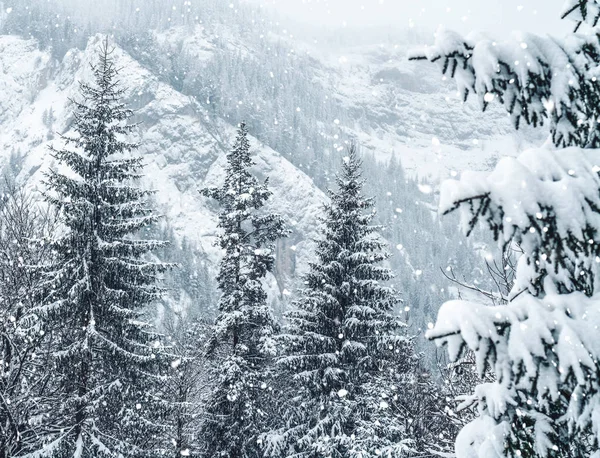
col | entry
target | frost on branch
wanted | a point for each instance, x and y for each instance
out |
(547, 201)
(534, 78)
(542, 347)
(544, 353)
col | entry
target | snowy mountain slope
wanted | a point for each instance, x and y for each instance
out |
(394, 105)
(291, 84)
(190, 85)
(182, 148)
(370, 92)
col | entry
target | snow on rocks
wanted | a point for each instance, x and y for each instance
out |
(181, 149)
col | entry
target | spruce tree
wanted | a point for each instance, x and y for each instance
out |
(100, 284)
(354, 370)
(235, 415)
(541, 348)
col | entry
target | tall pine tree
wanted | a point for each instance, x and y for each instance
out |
(235, 415)
(357, 381)
(100, 284)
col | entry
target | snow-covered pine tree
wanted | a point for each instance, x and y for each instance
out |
(356, 382)
(235, 412)
(541, 347)
(535, 78)
(99, 285)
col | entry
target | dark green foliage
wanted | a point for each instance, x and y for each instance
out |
(99, 286)
(244, 327)
(356, 378)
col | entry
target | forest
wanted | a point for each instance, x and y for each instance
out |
(252, 330)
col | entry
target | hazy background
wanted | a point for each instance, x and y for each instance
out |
(495, 16)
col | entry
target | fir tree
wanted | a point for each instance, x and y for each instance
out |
(534, 78)
(99, 284)
(541, 348)
(355, 371)
(244, 327)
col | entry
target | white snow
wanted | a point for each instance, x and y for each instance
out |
(182, 151)
(520, 189)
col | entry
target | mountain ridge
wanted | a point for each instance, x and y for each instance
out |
(190, 85)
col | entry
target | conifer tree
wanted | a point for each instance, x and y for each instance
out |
(99, 285)
(244, 327)
(541, 348)
(356, 375)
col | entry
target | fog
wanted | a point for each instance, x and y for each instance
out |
(494, 16)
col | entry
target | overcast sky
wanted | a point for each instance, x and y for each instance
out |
(539, 16)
